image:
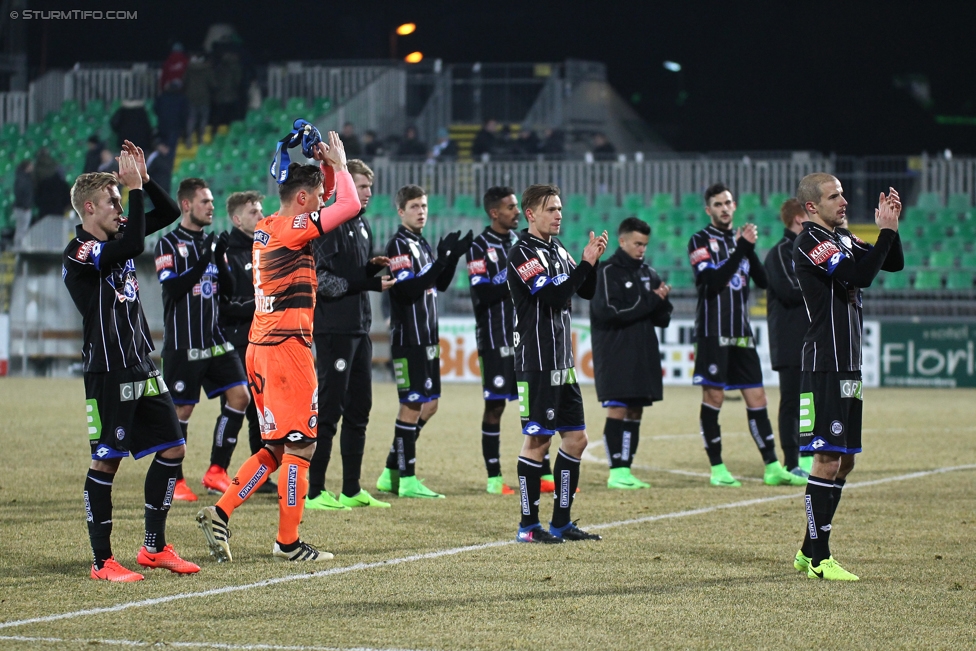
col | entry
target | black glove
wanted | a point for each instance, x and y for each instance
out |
(463, 245)
(222, 240)
(208, 246)
(448, 244)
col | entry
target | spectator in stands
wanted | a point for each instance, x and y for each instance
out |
(131, 122)
(603, 149)
(174, 67)
(444, 148)
(372, 145)
(93, 156)
(351, 141)
(410, 145)
(227, 90)
(159, 165)
(52, 194)
(527, 143)
(107, 161)
(486, 139)
(554, 143)
(172, 112)
(23, 199)
(198, 85)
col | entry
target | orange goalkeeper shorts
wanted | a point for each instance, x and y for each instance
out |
(285, 391)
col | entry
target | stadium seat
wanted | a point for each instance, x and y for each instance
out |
(322, 106)
(436, 204)
(931, 201)
(942, 260)
(681, 279)
(634, 201)
(605, 202)
(959, 280)
(967, 261)
(662, 201)
(464, 206)
(748, 202)
(914, 259)
(775, 200)
(894, 281)
(575, 204)
(928, 280)
(692, 201)
(959, 202)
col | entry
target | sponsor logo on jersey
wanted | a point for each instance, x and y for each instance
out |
(300, 222)
(822, 252)
(400, 262)
(249, 486)
(530, 269)
(134, 390)
(846, 241)
(560, 279)
(699, 255)
(130, 289)
(713, 245)
(262, 237)
(182, 250)
(85, 250)
(532, 429)
(476, 267)
(493, 254)
(500, 277)
(267, 421)
(264, 304)
(164, 261)
(477, 279)
(292, 485)
(837, 428)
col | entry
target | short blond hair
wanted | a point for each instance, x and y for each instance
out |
(810, 189)
(238, 200)
(356, 166)
(86, 188)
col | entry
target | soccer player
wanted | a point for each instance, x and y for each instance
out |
(832, 266)
(237, 309)
(280, 368)
(788, 322)
(414, 336)
(487, 260)
(630, 301)
(193, 271)
(129, 406)
(725, 350)
(346, 271)
(543, 278)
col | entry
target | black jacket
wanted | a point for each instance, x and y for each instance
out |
(623, 314)
(237, 309)
(344, 277)
(786, 315)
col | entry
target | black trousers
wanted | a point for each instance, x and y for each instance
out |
(789, 415)
(344, 364)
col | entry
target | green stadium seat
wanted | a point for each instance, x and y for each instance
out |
(894, 281)
(271, 104)
(915, 259)
(959, 280)
(634, 201)
(464, 206)
(692, 201)
(928, 280)
(959, 202)
(775, 199)
(681, 279)
(662, 201)
(575, 203)
(916, 215)
(297, 105)
(967, 261)
(942, 260)
(649, 215)
(436, 204)
(929, 200)
(605, 202)
(322, 106)
(748, 202)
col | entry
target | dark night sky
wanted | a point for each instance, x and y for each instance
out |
(758, 76)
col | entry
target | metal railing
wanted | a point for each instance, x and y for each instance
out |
(13, 108)
(310, 81)
(380, 102)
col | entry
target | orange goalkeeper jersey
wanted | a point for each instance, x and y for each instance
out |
(284, 270)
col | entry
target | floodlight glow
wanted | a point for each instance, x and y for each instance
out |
(406, 29)
(414, 57)
(673, 66)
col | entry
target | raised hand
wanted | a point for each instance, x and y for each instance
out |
(387, 282)
(447, 244)
(319, 151)
(595, 247)
(208, 246)
(749, 232)
(662, 290)
(380, 261)
(128, 174)
(139, 156)
(888, 210)
(463, 244)
(336, 154)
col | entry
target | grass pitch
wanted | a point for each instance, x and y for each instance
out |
(682, 565)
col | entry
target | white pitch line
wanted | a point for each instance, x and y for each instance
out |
(448, 552)
(587, 456)
(190, 645)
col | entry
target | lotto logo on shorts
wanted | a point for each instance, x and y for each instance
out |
(808, 414)
(292, 485)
